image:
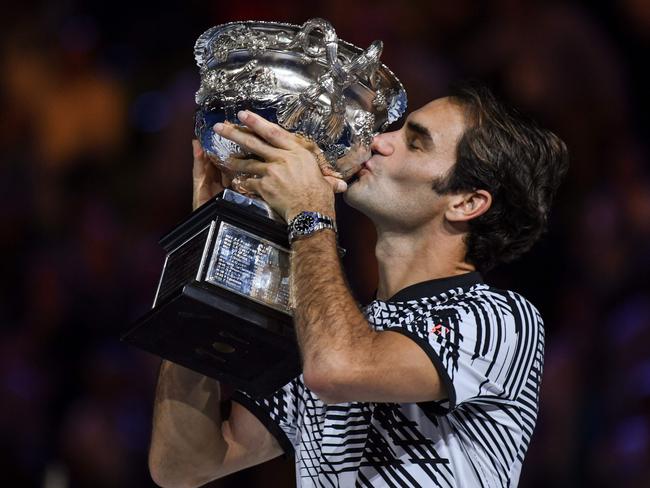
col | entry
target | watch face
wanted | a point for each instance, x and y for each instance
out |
(304, 224)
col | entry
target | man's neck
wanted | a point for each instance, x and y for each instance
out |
(404, 259)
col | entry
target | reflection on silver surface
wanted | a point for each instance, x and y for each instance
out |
(251, 266)
(302, 77)
(253, 205)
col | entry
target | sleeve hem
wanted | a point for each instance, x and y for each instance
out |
(264, 417)
(437, 363)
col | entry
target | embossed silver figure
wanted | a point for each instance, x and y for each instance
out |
(302, 77)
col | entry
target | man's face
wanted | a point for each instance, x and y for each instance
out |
(395, 186)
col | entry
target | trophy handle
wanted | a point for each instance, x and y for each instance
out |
(330, 40)
(343, 74)
(365, 63)
(301, 111)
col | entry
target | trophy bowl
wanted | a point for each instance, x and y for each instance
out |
(301, 77)
(223, 305)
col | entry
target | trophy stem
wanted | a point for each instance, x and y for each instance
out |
(254, 205)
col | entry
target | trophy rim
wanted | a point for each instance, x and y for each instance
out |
(262, 23)
(325, 88)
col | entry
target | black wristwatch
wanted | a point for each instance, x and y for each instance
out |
(307, 223)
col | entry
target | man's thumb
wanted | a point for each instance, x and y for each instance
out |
(338, 185)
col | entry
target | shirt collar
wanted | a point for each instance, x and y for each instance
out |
(435, 287)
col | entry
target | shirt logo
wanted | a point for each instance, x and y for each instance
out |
(439, 330)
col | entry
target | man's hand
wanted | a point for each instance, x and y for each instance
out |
(289, 177)
(207, 179)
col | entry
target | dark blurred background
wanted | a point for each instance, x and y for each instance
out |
(96, 105)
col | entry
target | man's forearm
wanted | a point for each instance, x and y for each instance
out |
(329, 325)
(186, 438)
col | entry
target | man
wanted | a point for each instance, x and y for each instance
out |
(434, 383)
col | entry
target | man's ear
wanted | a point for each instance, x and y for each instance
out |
(467, 206)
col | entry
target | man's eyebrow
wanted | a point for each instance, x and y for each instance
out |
(421, 131)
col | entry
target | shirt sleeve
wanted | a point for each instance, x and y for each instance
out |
(481, 349)
(278, 412)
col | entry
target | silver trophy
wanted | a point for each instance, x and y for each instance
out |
(223, 304)
(301, 77)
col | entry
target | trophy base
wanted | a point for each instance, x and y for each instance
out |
(215, 335)
(222, 305)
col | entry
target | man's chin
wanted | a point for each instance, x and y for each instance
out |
(355, 198)
(350, 195)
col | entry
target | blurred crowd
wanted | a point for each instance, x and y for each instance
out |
(96, 106)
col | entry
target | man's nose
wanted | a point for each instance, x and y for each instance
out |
(381, 144)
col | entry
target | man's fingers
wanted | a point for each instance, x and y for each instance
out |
(249, 141)
(252, 185)
(307, 143)
(198, 170)
(226, 179)
(250, 166)
(197, 150)
(202, 163)
(206, 177)
(337, 184)
(325, 167)
(270, 132)
(274, 134)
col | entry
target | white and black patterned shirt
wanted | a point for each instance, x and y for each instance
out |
(487, 345)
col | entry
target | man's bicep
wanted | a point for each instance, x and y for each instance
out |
(249, 441)
(396, 369)
(405, 367)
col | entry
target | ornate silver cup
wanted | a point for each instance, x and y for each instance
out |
(223, 303)
(302, 77)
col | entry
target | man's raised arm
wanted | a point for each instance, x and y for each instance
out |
(190, 443)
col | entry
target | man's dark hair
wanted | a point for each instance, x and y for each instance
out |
(519, 163)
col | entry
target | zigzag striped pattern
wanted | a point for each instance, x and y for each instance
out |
(487, 345)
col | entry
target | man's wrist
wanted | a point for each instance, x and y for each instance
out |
(324, 237)
(307, 223)
(327, 211)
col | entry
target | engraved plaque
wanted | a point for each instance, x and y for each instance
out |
(251, 266)
(224, 306)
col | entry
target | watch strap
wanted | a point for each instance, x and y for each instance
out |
(318, 222)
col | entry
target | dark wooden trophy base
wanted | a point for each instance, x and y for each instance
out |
(248, 343)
